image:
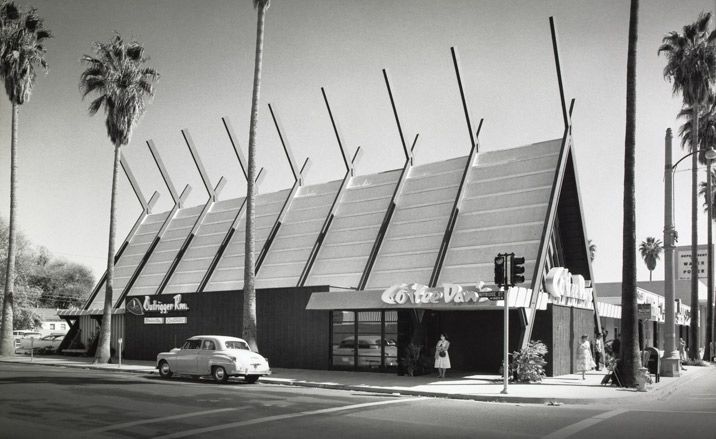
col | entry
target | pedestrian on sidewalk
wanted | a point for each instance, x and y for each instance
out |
(584, 356)
(442, 358)
(599, 351)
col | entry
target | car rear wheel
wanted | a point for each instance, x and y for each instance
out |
(219, 374)
(251, 378)
(164, 370)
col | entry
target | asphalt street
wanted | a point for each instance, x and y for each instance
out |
(53, 402)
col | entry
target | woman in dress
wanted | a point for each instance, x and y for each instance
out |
(584, 356)
(442, 358)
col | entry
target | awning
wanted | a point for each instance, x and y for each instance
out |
(415, 296)
(77, 312)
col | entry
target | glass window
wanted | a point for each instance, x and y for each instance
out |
(343, 341)
(52, 326)
(192, 344)
(237, 344)
(390, 340)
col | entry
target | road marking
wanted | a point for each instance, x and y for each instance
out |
(575, 428)
(196, 431)
(166, 418)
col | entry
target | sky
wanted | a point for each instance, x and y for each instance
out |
(204, 52)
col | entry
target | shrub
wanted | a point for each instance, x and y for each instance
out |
(411, 358)
(527, 365)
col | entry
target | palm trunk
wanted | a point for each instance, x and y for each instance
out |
(103, 353)
(710, 268)
(249, 310)
(7, 346)
(694, 328)
(650, 273)
(630, 358)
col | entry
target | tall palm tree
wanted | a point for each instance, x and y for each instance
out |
(650, 252)
(22, 52)
(249, 332)
(117, 75)
(630, 358)
(690, 67)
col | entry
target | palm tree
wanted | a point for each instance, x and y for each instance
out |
(650, 252)
(592, 250)
(22, 51)
(690, 67)
(123, 86)
(630, 358)
(249, 309)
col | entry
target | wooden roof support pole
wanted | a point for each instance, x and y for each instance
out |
(409, 159)
(213, 193)
(146, 210)
(298, 176)
(239, 213)
(460, 196)
(350, 171)
(564, 156)
(178, 199)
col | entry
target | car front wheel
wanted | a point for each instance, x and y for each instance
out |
(219, 374)
(251, 378)
(164, 370)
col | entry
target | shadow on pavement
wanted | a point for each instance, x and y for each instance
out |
(64, 381)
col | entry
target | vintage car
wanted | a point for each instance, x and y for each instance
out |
(48, 343)
(213, 355)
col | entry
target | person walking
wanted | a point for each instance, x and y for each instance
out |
(442, 358)
(584, 356)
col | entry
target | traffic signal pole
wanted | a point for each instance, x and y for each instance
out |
(508, 272)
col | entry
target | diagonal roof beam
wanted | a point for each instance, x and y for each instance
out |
(163, 170)
(237, 148)
(409, 158)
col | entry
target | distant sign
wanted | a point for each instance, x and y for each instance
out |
(153, 320)
(175, 320)
(684, 261)
(648, 311)
(494, 295)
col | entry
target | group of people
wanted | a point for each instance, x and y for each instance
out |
(594, 356)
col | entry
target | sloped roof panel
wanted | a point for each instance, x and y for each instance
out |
(133, 254)
(410, 247)
(504, 210)
(295, 239)
(345, 250)
(165, 252)
(204, 246)
(229, 273)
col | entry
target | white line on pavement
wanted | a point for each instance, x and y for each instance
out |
(575, 428)
(166, 418)
(186, 433)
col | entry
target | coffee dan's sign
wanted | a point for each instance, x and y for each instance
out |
(417, 294)
(153, 304)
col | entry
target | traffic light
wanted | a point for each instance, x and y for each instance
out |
(516, 276)
(500, 270)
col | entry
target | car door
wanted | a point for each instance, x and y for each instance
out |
(185, 359)
(203, 357)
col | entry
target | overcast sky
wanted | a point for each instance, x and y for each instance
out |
(204, 53)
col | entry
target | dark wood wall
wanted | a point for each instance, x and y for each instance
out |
(568, 325)
(288, 335)
(570, 225)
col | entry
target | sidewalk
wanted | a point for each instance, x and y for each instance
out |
(565, 389)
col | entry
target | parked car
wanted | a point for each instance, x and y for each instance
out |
(19, 334)
(213, 355)
(48, 343)
(369, 351)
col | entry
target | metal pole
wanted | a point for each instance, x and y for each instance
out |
(506, 347)
(708, 353)
(119, 342)
(670, 364)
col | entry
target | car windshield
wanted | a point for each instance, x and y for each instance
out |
(237, 344)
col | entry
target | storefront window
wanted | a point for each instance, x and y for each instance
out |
(343, 340)
(364, 340)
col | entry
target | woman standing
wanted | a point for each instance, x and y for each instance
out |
(442, 358)
(584, 356)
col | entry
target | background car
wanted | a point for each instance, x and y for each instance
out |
(48, 343)
(218, 356)
(369, 351)
(19, 334)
